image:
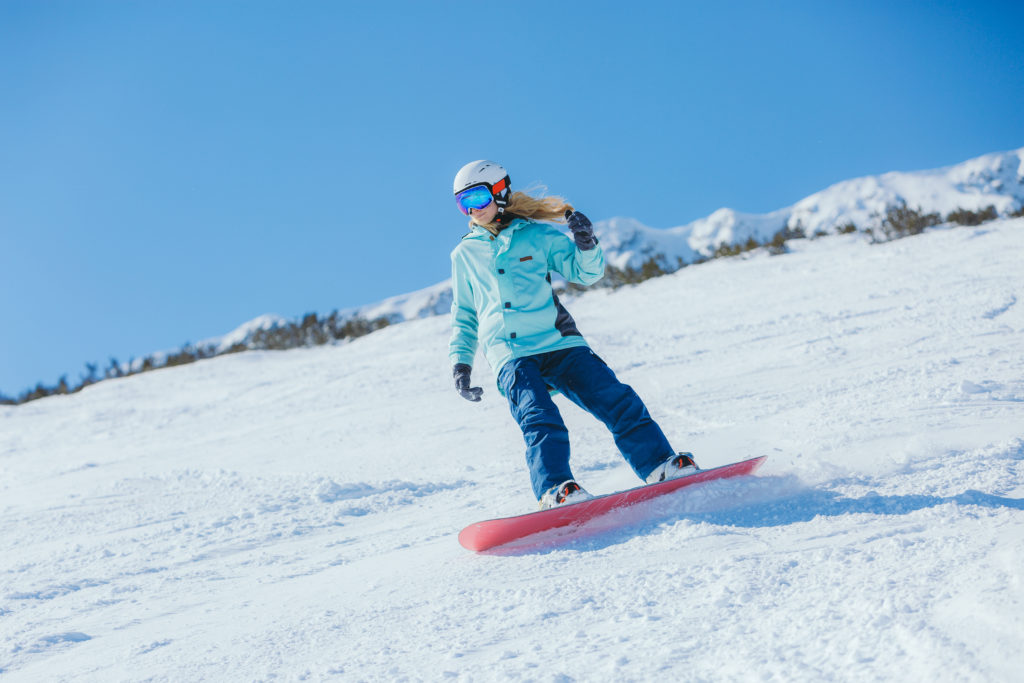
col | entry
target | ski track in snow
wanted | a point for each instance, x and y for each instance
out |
(293, 515)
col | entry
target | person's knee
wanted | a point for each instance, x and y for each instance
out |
(542, 419)
(625, 409)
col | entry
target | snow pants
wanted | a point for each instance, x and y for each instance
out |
(582, 377)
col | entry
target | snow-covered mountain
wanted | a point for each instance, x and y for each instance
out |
(293, 515)
(244, 332)
(433, 300)
(991, 180)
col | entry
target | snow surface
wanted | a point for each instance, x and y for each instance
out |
(293, 515)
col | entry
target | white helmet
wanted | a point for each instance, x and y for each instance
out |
(487, 173)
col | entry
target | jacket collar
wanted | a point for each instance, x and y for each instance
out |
(479, 232)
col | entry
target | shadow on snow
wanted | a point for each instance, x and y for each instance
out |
(752, 502)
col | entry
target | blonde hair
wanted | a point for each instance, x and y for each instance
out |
(548, 209)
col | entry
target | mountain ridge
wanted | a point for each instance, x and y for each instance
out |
(995, 179)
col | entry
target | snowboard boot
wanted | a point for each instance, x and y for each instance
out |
(566, 493)
(679, 465)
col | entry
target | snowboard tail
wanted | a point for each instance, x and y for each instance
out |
(495, 532)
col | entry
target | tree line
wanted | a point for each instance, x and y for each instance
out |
(310, 330)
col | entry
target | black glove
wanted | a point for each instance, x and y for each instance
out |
(582, 230)
(461, 372)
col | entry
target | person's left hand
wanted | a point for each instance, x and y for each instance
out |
(582, 230)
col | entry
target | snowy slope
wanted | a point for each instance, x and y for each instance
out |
(293, 515)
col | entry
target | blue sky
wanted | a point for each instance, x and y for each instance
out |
(169, 170)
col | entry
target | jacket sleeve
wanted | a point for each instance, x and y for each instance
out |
(463, 343)
(575, 265)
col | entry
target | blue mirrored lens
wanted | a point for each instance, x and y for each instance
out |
(474, 198)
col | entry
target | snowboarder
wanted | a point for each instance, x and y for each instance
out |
(503, 300)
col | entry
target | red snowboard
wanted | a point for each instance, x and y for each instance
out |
(495, 532)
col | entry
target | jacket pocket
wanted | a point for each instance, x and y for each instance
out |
(529, 273)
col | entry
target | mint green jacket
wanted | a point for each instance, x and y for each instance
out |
(501, 292)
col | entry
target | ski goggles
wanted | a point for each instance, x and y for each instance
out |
(474, 198)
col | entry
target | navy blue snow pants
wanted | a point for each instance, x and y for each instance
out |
(582, 377)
